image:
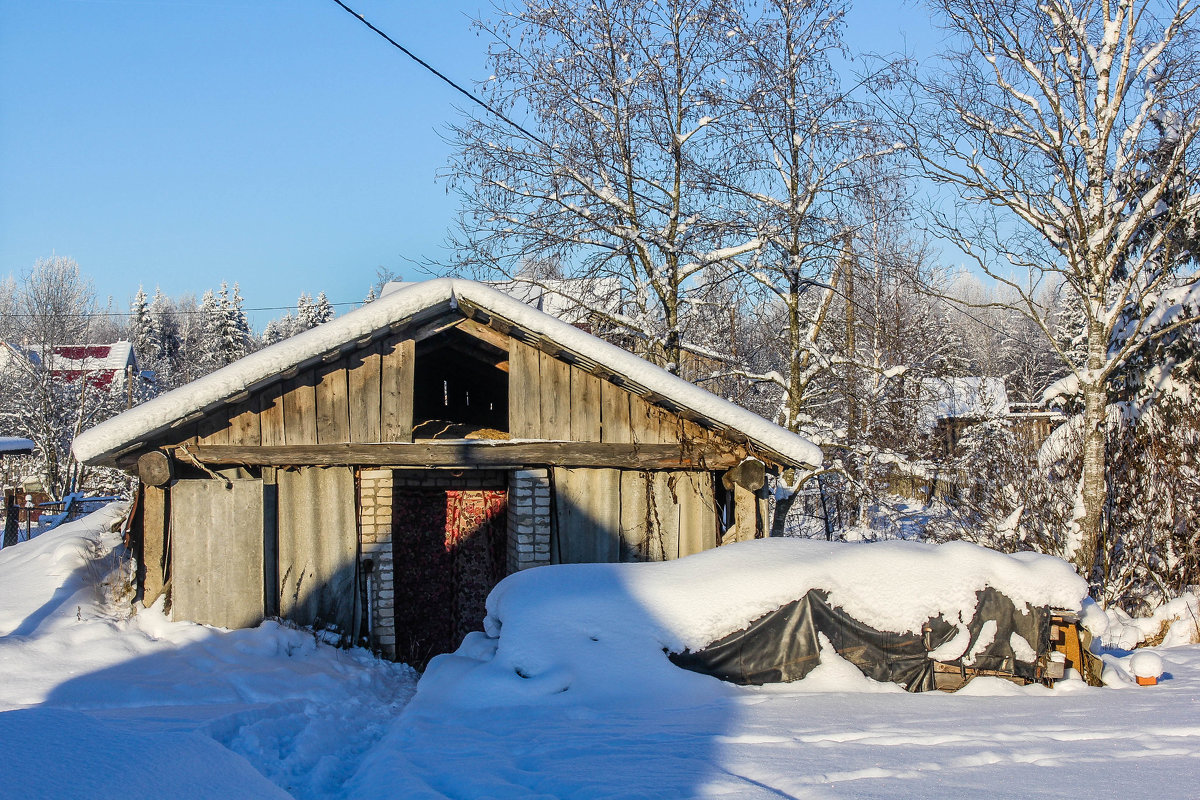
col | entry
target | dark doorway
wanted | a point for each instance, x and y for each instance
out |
(449, 551)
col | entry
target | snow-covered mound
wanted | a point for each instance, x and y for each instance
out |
(593, 634)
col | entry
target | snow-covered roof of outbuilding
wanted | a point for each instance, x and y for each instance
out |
(964, 398)
(257, 370)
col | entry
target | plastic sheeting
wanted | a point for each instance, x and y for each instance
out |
(783, 646)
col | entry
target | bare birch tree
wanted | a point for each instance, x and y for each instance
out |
(1067, 130)
(611, 180)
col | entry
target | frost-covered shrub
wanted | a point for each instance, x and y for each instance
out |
(1152, 547)
(1018, 499)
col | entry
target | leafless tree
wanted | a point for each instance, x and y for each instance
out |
(52, 305)
(805, 173)
(1067, 131)
(612, 179)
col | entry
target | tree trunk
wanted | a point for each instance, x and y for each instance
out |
(1092, 481)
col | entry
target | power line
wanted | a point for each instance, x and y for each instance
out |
(429, 67)
(174, 311)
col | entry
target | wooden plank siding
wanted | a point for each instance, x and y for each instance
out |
(524, 391)
(363, 370)
(361, 398)
(332, 404)
(300, 410)
(612, 514)
(397, 382)
(317, 541)
(270, 416)
(651, 505)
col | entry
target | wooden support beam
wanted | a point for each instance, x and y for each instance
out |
(485, 333)
(155, 468)
(476, 453)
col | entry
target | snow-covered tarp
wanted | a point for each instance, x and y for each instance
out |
(559, 634)
(267, 365)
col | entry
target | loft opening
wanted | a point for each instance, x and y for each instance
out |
(461, 385)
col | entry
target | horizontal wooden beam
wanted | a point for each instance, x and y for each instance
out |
(476, 453)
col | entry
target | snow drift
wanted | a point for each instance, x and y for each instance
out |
(593, 634)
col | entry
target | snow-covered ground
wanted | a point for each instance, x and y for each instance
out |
(94, 705)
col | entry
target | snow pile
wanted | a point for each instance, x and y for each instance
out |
(208, 713)
(594, 634)
(1176, 622)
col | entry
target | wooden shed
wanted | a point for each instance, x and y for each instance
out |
(377, 475)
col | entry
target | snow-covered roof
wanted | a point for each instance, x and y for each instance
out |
(15, 444)
(100, 364)
(964, 398)
(257, 370)
(569, 299)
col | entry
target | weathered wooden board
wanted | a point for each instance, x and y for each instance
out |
(645, 421)
(555, 388)
(604, 503)
(397, 379)
(217, 552)
(745, 513)
(214, 429)
(495, 453)
(154, 542)
(634, 515)
(664, 500)
(587, 507)
(300, 410)
(318, 538)
(244, 425)
(697, 512)
(333, 404)
(270, 416)
(524, 391)
(364, 376)
(585, 406)
(614, 414)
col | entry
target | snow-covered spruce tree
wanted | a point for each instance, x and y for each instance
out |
(1036, 124)
(279, 329)
(620, 99)
(322, 310)
(140, 326)
(226, 331)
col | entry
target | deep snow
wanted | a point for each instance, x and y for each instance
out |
(94, 705)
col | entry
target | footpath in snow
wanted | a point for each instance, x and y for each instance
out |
(96, 705)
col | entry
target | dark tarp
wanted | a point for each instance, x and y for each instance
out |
(782, 646)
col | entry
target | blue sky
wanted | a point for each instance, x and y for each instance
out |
(276, 143)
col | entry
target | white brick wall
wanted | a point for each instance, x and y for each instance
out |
(375, 504)
(528, 519)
